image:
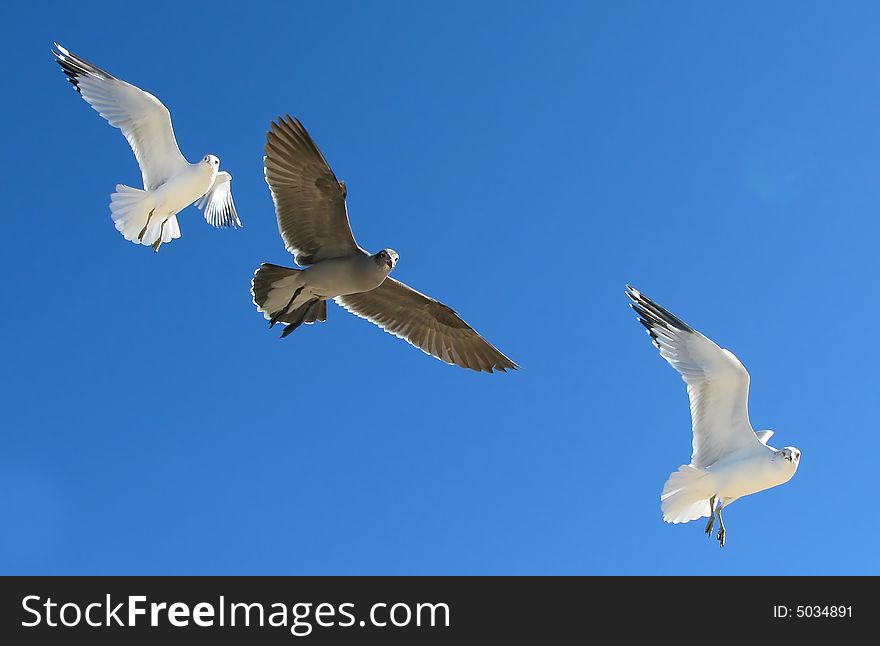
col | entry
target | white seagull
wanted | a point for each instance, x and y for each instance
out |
(313, 221)
(729, 459)
(149, 216)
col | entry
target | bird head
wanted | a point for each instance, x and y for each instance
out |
(790, 454)
(212, 161)
(387, 259)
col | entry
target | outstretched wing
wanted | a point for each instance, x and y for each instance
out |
(309, 200)
(717, 382)
(427, 324)
(217, 202)
(144, 121)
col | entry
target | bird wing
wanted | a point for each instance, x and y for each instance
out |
(217, 202)
(717, 382)
(764, 436)
(427, 324)
(309, 200)
(144, 121)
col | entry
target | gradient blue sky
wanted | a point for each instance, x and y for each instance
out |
(526, 161)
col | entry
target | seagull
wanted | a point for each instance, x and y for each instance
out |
(313, 222)
(149, 216)
(730, 460)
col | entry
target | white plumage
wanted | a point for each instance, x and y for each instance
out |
(729, 460)
(171, 183)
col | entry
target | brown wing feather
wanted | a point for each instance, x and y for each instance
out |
(309, 200)
(427, 324)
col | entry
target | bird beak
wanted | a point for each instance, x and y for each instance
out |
(390, 263)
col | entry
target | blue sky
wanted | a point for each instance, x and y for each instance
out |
(526, 161)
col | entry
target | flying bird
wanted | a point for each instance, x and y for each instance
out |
(730, 460)
(149, 216)
(313, 220)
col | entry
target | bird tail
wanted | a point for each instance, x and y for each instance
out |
(130, 209)
(273, 288)
(686, 495)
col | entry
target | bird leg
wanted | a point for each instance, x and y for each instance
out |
(144, 230)
(277, 315)
(299, 319)
(711, 516)
(290, 328)
(722, 532)
(158, 242)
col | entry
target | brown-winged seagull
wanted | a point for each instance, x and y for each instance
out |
(313, 221)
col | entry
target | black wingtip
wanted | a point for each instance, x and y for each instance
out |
(655, 314)
(632, 292)
(62, 57)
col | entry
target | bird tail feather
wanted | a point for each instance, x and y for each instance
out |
(130, 209)
(273, 287)
(686, 495)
